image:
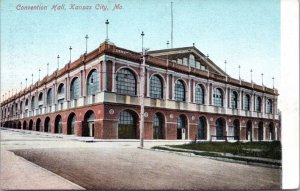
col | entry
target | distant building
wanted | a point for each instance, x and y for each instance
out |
(187, 96)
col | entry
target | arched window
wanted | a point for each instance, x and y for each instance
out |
(61, 89)
(32, 103)
(218, 97)
(156, 87)
(260, 131)
(41, 96)
(258, 104)
(179, 91)
(61, 93)
(49, 97)
(234, 98)
(126, 82)
(92, 83)
(75, 89)
(269, 106)
(199, 94)
(26, 102)
(247, 102)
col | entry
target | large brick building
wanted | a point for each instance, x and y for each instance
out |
(187, 96)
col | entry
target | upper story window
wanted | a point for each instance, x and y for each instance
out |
(61, 89)
(156, 87)
(26, 103)
(269, 106)
(92, 83)
(192, 60)
(21, 106)
(49, 97)
(218, 97)
(234, 100)
(41, 96)
(185, 61)
(126, 82)
(179, 91)
(258, 104)
(199, 94)
(247, 102)
(75, 89)
(32, 103)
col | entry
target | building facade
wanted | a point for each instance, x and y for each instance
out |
(187, 96)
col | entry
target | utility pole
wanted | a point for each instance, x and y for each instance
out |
(142, 83)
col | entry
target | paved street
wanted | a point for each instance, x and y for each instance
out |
(117, 165)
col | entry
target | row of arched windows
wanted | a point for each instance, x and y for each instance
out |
(126, 83)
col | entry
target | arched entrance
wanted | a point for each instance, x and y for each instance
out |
(38, 124)
(19, 125)
(71, 124)
(202, 126)
(58, 124)
(249, 131)
(30, 124)
(236, 129)
(271, 131)
(47, 127)
(24, 125)
(127, 126)
(182, 127)
(88, 124)
(260, 131)
(158, 126)
(220, 128)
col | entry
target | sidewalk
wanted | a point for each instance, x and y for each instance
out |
(18, 173)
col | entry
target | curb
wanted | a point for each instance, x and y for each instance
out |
(215, 158)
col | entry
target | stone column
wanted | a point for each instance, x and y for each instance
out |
(64, 128)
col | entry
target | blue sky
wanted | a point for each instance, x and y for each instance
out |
(244, 32)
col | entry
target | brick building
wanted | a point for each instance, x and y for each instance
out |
(187, 96)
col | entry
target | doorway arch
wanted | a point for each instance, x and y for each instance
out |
(127, 126)
(71, 124)
(182, 127)
(249, 131)
(202, 128)
(220, 128)
(38, 124)
(88, 127)
(158, 126)
(58, 124)
(236, 129)
(47, 127)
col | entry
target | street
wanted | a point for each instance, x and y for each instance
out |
(121, 165)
